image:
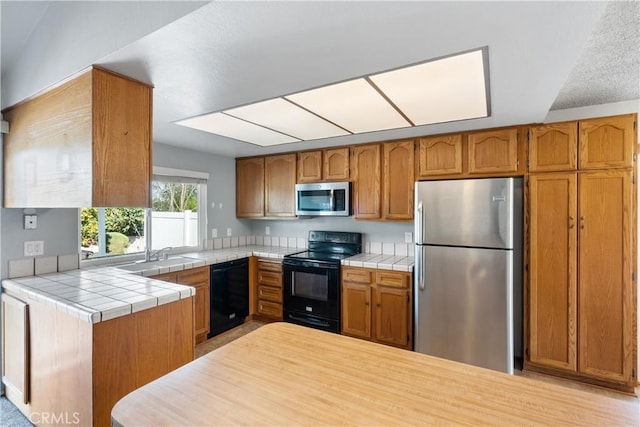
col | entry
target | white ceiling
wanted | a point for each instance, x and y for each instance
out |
(220, 55)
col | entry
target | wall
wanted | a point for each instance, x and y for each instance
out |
(221, 185)
(373, 231)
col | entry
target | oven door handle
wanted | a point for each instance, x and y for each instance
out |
(309, 321)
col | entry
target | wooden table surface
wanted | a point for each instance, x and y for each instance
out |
(288, 375)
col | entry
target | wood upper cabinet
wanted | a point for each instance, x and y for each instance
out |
(398, 180)
(553, 270)
(553, 147)
(390, 321)
(279, 185)
(366, 173)
(85, 142)
(331, 164)
(335, 165)
(606, 294)
(250, 187)
(494, 151)
(440, 155)
(607, 142)
(310, 166)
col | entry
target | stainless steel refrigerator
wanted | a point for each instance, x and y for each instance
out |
(468, 278)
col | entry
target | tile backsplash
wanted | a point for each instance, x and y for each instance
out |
(383, 248)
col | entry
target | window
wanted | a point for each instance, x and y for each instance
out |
(177, 218)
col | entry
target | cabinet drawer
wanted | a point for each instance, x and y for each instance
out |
(394, 279)
(270, 278)
(357, 275)
(167, 277)
(271, 309)
(193, 276)
(270, 293)
(269, 265)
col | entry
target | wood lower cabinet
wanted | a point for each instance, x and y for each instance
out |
(398, 180)
(553, 270)
(198, 278)
(606, 314)
(607, 142)
(250, 187)
(79, 370)
(389, 321)
(269, 288)
(582, 314)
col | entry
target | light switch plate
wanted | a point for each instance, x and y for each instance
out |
(267, 230)
(30, 222)
(214, 233)
(228, 232)
(408, 237)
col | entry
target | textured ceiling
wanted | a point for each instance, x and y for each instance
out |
(609, 67)
(205, 57)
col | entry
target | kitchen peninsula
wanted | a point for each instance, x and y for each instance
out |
(284, 374)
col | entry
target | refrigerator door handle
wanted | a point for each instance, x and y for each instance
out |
(419, 223)
(420, 267)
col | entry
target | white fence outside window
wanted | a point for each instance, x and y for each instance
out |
(174, 229)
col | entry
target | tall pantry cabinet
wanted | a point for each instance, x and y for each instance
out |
(582, 198)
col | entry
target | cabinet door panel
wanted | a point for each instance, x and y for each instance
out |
(336, 164)
(493, 151)
(440, 155)
(607, 142)
(15, 346)
(392, 316)
(365, 163)
(398, 180)
(553, 147)
(310, 166)
(202, 312)
(356, 310)
(552, 265)
(280, 182)
(250, 188)
(606, 301)
(270, 309)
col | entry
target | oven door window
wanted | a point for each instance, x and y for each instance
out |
(310, 285)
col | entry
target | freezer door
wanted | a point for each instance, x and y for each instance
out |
(464, 312)
(468, 212)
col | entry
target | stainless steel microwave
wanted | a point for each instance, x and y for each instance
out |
(323, 199)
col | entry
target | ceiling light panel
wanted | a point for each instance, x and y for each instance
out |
(354, 105)
(448, 89)
(231, 127)
(283, 116)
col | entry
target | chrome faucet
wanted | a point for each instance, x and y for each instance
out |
(157, 255)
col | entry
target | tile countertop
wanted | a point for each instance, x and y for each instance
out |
(96, 294)
(381, 261)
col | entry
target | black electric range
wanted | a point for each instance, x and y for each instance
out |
(312, 279)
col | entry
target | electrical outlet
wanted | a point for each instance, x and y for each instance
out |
(34, 248)
(228, 232)
(408, 237)
(267, 230)
(214, 233)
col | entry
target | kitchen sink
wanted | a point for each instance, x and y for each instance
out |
(148, 265)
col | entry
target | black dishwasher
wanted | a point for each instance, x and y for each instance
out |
(229, 295)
